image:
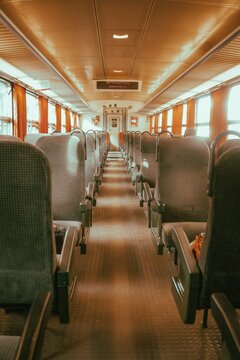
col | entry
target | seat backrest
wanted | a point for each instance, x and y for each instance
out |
(103, 145)
(9, 138)
(91, 158)
(182, 178)
(131, 147)
(148, 158)
(127, 142)
(99, 146)
(229, 144)
(220, 255)
(137, 149)
(66, 155)
(88, 141)
(27, 246)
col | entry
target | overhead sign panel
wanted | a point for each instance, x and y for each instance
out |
(117, 85)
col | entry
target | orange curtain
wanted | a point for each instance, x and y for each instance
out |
(43, 110)
(191, 107)
(218, 122)
(164, 120)
(68, 120)
(58, 109)
(121, 138)
(20, 128)
(107, 138)
(177, 119)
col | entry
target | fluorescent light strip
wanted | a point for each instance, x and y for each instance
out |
(117, 71)
(116, 36)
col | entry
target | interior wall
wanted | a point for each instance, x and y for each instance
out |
(86, 122)
(143, 123)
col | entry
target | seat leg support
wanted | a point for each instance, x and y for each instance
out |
(204, 323)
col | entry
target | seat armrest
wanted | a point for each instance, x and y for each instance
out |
(66, 275)
(96, 176)
(158, 206)
(69, 243)
(185, 253)
(97, 182)
(98, 172)
(228, 322)
(90, 192)
(85, 205)
(139, 177)
(147, 192)
(85, 208)
(186, 285)
(30, 344)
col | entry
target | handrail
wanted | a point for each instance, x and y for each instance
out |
(85, 139)
(157, 143)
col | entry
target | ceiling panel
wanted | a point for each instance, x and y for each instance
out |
(166, 39)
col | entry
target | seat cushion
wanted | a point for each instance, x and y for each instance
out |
(191, 228)
(9, 346)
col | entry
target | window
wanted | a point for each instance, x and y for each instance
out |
(63, 129)
(32, 113)
(203, 116)
(160, 122)
(184, 118)
(6, 127)
(71, 120)
(233, 110)
(52, 118)
(169, 119)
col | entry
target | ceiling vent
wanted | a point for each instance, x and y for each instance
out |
(117, 85)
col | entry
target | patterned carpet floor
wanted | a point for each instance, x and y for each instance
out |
(122, 307)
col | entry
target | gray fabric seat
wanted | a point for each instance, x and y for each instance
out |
(124, 149)
(91, 175)
(228, 321)
(28, 343)
(66, 155)
(218, 268)
(136, 156)
(9, 138)
(131, 150)
(181, 187)
(100, 151)
(229, 144)
(147, 172)
(28, 261)
(127, 141)
(148, 168)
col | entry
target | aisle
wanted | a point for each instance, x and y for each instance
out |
(123, 308)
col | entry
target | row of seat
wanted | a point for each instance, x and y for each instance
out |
(171, 178)
(48, 186)
(196, 189)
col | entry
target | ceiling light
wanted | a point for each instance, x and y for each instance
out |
(116, 36)
(117, 71)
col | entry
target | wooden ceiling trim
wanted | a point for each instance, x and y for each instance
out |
(10, 25)
(98, 30)
(151, 6)
(219, 47)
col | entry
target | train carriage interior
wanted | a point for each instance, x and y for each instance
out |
(119, 179)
